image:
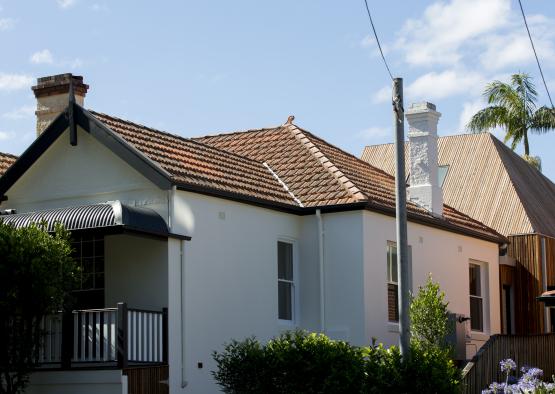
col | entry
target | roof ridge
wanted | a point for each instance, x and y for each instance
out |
(330, 167)
(358, 159)
(503, 149)
(8, 154)
(193, 140)
(230, 133)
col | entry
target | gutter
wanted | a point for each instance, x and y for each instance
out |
(322, 273)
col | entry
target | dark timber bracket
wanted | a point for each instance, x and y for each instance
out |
(122, 335)
(70, 115)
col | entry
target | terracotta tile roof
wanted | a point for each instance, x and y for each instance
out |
(321, 174)
(6, 160)
(195, 164)
(284, 166)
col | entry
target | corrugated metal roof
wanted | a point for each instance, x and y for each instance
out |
(93, 216)
(487, 181)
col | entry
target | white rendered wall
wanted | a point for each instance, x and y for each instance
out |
(445, 255)
(88, 173)
(136, 271)
(344, 284)
(230, 278)
(72, 382)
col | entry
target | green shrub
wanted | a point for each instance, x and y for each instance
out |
(429, 316)
(295, 362)
(301, 362)
(430, 370)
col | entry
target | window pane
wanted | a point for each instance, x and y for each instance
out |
(475, 280)
(392, 263)
(285, 300)
(393, 302)
(285, 261)
(476, 314)
(87, 248)
(99, 247)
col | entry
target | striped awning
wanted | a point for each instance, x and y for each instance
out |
(112, 214)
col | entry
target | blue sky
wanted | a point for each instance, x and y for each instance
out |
(196, 68)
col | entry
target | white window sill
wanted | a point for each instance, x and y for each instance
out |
(287, 324)
(479, 336)
(393, 327)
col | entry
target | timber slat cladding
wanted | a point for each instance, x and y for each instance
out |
(533, 350)
(488, 182)
(526, 249)
(550, 260)
(147, 380)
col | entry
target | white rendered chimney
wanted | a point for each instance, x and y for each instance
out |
(52, 95)
(424, 188)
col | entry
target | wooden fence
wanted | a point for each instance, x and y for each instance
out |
(147, 380)
(531, 350)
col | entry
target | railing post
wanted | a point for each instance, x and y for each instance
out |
(67, 339)
(122, 335)
(165, 335)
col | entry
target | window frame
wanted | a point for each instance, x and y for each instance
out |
(295, 304)
(393, 244)
(484, 296)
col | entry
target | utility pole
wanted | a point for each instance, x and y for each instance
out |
(401, 217)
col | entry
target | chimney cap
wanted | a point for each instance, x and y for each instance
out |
(59, 84)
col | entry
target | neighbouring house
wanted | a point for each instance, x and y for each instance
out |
(188, 243)
(6, 160)
(486, 180)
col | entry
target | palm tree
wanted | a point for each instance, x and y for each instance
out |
(513, 107)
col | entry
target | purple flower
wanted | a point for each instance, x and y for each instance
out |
(507, 365)
(535, 373)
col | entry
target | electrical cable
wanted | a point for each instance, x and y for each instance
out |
(377, 39)
(535, 54)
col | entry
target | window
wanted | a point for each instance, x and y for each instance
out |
(393, 281)
(476, 298)
(286, 281)
(441, 174)
(88, 252)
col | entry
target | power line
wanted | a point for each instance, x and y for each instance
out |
(535, 54)
(377, 39)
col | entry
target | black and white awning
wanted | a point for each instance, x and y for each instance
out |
(112, 215)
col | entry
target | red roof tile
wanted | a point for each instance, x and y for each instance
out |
(193, 163)
(6, 160)
(284, 166)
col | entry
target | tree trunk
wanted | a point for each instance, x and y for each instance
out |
(526, 146)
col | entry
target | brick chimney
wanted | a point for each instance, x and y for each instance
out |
(424, 187)
(52, 95)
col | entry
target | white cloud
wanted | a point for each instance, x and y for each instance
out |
(383, 95)
(23, 112)
(6, 23)
(9, 82)
(76, 63)
(512, 47)
(42, 57)
(6, 135)
(99, 7)
(469, 109)
(438, 85)
(65, 3)
(437, 37)
(368, 41)
(373, 133)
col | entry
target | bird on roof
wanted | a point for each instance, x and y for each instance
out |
(290, 119)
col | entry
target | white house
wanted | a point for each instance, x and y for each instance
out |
(238, 234)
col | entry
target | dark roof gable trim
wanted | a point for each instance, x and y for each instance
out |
(100, 132)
